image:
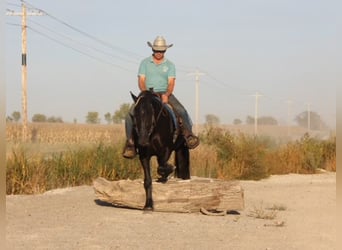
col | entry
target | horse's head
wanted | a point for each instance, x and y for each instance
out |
(145, 115)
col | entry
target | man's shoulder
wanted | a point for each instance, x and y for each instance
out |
(147, 59)
(169, 62)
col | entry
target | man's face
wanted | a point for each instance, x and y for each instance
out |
(159, 54)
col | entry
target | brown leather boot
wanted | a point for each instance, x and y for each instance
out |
(192, 141)
(129, 150)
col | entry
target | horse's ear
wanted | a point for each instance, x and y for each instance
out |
(134, 97)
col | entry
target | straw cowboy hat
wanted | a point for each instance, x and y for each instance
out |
(159, 44)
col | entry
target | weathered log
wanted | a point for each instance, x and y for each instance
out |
(174, 196)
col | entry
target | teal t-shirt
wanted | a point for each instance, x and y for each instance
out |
(157, 75)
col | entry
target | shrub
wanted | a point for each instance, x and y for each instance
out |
(239, 156)
(303, 156)
(329, 154)
(249, 157)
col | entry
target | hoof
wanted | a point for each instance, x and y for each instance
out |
(148, 209)
(162, 179)
(164, 172)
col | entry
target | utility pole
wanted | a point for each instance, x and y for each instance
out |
(309, 118)
(257, 95)
(289, 103)
(24, 15)
(197, 74)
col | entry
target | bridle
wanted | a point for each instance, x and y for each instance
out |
(155, 119)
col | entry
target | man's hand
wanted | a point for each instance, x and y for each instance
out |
(165, 98)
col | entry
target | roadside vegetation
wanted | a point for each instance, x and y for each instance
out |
(64, 155)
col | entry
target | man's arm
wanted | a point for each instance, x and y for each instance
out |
(170, 87)
(142, 82)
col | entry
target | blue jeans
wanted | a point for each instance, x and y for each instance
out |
(179, 110)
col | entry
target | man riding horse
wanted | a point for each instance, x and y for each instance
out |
(158, 73)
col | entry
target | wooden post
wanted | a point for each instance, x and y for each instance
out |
(23, 15)
(24, 72)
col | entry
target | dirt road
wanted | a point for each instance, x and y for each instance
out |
(305, 218)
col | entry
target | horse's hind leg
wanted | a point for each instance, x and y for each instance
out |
(182, 159)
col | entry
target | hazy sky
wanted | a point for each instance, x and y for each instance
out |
(84, 55)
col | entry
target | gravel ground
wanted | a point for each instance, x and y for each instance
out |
(304, 218)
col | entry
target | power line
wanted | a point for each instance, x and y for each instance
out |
(13, 13)
(72, 48)
(224, 84)
(13, 4)
(83, 44)
(79, 51)
(127, 52)
(13, 24)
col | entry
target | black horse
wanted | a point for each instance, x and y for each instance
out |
(155, 134)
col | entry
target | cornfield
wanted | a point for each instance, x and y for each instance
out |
(61, 133)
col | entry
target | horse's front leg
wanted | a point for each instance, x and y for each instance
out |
(164, 169)
(147, 184)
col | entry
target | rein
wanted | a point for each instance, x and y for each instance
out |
(161, 110)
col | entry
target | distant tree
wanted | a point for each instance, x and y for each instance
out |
(55, 119)
(92, 118)
(263, 120)
(16, 116)
(9, 119)
(121, 114)
(108, 117)
(211, 119)
(249, 120)
(267, 120)
(316, 122)
(39, 118)
(237, 121)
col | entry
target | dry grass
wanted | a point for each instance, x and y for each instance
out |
(277, 207)
(73, 154)
(266, 213)
(204, 161)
